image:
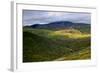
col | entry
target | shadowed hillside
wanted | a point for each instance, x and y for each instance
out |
(38, 48)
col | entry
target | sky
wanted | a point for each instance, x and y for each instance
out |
(31, 17)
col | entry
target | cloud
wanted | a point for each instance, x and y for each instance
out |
(33, 17)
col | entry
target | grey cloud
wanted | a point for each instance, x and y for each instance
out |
(33, 17)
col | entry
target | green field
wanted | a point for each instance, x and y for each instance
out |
(56, 45)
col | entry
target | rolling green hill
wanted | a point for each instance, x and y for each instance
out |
(49, 45)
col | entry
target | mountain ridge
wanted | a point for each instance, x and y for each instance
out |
(59, 25)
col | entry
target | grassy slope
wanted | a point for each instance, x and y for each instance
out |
(47, 45)
(82, 54)
(38, 48)
(79, 55)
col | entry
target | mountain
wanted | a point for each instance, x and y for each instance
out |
(61, 25)
(58, 24)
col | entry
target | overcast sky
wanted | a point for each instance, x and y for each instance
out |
(41, 17)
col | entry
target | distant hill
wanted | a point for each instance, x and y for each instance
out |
(59, 24)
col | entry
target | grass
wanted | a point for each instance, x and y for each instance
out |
(48, 45)
(42, 47)
(80, 55)
(72, 34)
